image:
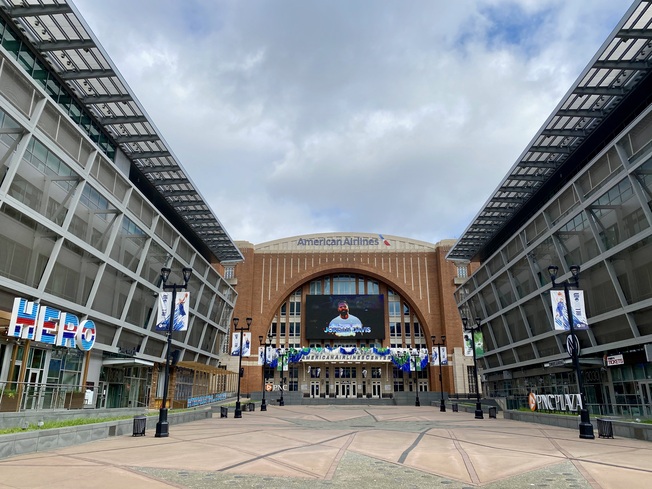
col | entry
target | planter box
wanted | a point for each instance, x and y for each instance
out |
(74, 400)
(9, 404)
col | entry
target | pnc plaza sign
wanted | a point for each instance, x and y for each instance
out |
(31, 321)
(554, 402)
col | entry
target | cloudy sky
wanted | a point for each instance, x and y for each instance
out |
(394, 117)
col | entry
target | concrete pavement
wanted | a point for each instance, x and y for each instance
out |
(342, 446)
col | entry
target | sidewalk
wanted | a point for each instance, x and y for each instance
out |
(328, 446)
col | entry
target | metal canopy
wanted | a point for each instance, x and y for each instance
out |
(60, 35)
(615, 71)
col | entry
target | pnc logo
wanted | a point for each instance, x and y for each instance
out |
(532, 401)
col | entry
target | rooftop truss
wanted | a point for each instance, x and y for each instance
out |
(615, 71)
(58, 32)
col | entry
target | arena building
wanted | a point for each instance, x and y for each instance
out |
(399, 296)
(580, 194)
(93, 204)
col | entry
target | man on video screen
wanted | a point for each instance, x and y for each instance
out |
(345, 324)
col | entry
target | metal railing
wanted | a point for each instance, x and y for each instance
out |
(20, 396)
(463, 395)
(29, 396)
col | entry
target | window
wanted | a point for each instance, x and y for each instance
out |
(344, 284)
(295, 329)
(373, 287)
(394, 308)
(315, 287)
(462, 271)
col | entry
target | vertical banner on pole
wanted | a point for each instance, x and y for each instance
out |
(468, 344)
(434, 356)
(246, 344)
(560, 310)
(478, 344)
(180, 312)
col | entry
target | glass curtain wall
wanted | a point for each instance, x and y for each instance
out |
(600, 221)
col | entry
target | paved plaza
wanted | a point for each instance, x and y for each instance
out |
(342, 446)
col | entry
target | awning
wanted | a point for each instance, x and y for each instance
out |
(200, 367)
(126, 362)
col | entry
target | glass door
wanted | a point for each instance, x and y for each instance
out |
(34, 375)
(314, 388)
(100, 400)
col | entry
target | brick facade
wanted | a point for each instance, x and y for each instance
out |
(417, 271)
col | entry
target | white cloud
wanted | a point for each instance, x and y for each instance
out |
(298, 117)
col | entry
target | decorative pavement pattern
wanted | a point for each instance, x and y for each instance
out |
(342, 446)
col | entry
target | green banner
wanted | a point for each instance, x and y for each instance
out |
(478, 342)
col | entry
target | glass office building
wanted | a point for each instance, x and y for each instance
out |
(580, 194)
(93, 205)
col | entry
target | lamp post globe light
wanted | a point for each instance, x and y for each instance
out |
(236, 321)
(468, 327)
(585, 427)
(442, 404)
(162, 427)
(415, 358)
(266, 344)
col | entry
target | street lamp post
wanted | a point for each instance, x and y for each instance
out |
(442, 404)
(236, 321)
(415, 357)
(586, 428)
(478, 407)
(162, 427)
(282, 353)
(266, 344)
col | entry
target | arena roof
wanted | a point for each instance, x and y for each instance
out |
(58, 32)
(612, 76)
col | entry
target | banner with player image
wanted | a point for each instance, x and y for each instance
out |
(434, 357)
(180, 311)
(235, 344)
(560, 310)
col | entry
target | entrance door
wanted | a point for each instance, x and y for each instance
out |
(101, 396)
(33, 400)
(34, 375)
(115, 396)
(645, 392)
(375, 389)
(314, 388)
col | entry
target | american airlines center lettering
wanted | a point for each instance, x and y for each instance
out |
(31, 321)
(345, 241)
(359, 357)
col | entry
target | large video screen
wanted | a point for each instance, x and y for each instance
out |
(345, 317)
